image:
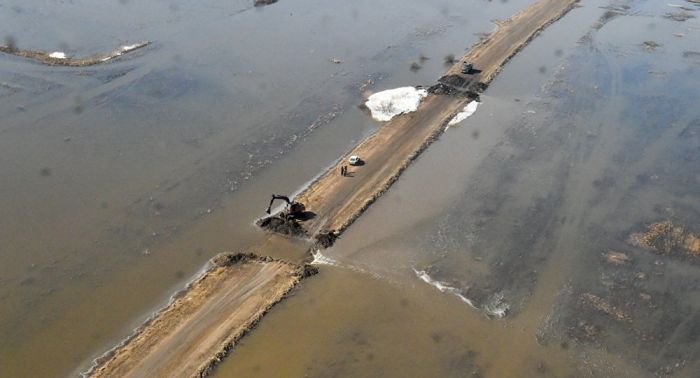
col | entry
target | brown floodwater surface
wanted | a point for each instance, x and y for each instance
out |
(120, 181)
(514, 209)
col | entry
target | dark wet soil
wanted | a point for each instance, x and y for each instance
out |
(282, 226)
(326, 239)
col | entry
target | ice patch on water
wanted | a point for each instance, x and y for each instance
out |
(464, 114)
(442, 286)
(385, 105)
(57, 55)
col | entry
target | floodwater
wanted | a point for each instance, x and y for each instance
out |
(509, 216)
(120, 181)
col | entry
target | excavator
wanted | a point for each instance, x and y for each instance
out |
(294, 209)
(467, 68)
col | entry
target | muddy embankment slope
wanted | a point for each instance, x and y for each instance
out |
(198, 329)
(337, 201)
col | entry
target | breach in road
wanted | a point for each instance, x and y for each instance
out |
(286, 222)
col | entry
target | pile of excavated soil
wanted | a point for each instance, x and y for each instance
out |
(454, 81)
(326, 239)
(445, 90)
(282, 226)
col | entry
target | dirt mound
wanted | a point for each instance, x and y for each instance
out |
(326, 239)
(454, 81)
(443, 89)
(228, 258)
(458, 83)
(309, 270)
(448, 90)
(282, 226)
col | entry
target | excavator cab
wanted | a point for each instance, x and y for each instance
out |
(467, 68)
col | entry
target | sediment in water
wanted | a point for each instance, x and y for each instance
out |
(668, 238)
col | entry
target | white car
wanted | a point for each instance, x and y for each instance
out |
(354, 160)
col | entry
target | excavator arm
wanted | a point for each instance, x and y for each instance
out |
(278, 197)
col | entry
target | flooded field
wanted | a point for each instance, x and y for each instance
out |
(528, 198)
(524, 255)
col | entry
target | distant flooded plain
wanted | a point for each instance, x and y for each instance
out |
(120, 181)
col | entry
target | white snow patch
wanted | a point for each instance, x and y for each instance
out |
(128, 48)
(468, 110)
(58, 55)
(385, 105)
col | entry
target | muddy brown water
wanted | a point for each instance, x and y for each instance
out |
(516, 208)
(119, 182)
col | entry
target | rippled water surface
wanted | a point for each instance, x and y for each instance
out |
(120, 181)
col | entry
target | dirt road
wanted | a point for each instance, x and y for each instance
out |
(337, 201)
(197, 330)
